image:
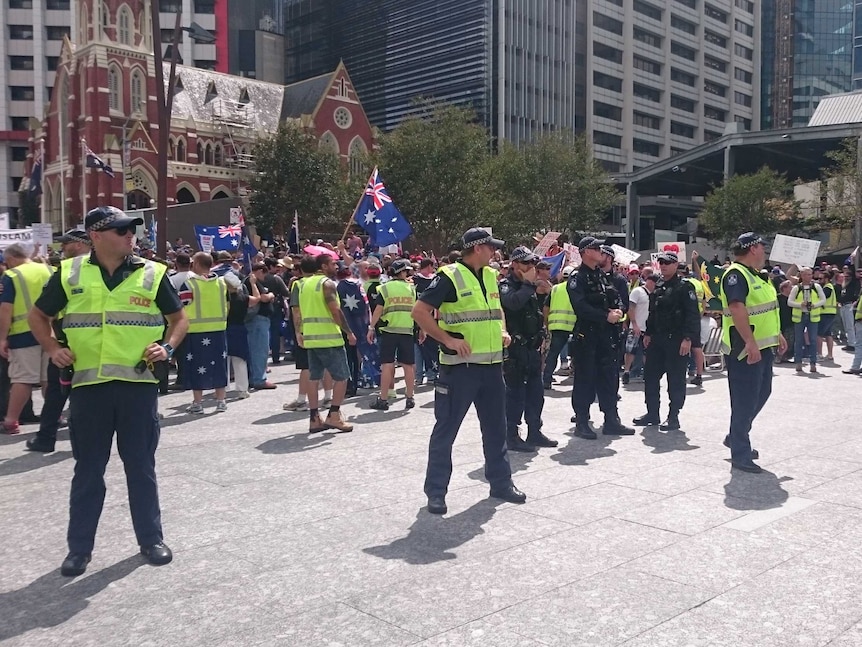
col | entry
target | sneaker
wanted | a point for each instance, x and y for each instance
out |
(409, 403)
(380, 405)
(195, 407)
(242, 395)
(10, 428)
(265, 386)
(626, 377)
(697, 380)
(221, 406)
(296, 405)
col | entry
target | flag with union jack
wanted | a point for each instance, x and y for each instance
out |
(94, 161)
(378, 215)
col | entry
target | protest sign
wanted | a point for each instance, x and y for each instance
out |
(573, 255)
(43, 235)
(623, 255)
(546, 243)
(676, 248)
(801, 252)
(12, 236)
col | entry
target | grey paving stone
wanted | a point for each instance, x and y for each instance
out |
(689, 513)
(674, 478)
(590, 503)
(479, 634)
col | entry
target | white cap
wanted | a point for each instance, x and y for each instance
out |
(567, 271)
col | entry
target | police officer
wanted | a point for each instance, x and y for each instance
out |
(115, 310)
(472, 335)
(750, 331)
(522, 368)
(599, 308)
(673, 322)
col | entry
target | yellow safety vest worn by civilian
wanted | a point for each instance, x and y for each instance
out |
(208, 309)
(476, 316)
(831, 305)
(108, 330)
(319, 330)
(561, 315)
(698, 289)
(813, 315)
(28, 279)
(399, 297)
(762, 306)
(858, 314)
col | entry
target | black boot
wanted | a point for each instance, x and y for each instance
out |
(515, 444)
(672, 422)
(539, 439)
(614, 427)
(647, 420)
(583, 430)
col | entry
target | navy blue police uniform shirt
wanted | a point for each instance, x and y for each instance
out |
(735, 286)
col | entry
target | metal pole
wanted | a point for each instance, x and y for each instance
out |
(61, 130)
(858, 187)
(84, 176)
(44, 184)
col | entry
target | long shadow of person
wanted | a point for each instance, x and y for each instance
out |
(52, 599)
(755, 491)
(431, 537)
(579, 451)
(519, 461)
(663, 442)
(295, 443)
(31, 461)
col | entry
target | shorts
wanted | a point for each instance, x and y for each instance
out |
(392, 345)
(300, 356)
(824, 327)
(28, 365)
(696, 342)
(333, 359)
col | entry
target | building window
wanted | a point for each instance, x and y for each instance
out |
(200, 152)
(124, 26)
(682, 51)
(356, 156)
(610, 167)
(58, 5)
(20, 4)
(647, 9)
(168, 36)
(691, 4)
(746, 123)
(646, 37)
(205, 6)
(710, 135)
(21, 32)
(20, 62)
(683, 25)
(714, 63)
(683, 130)
(57, 33)
(136, 93)
(745, 5)
(22, 93)
(742, 75)
(342, 117)
(20, 123)
(745, 52)
(711, 112)
(607, 111)
(170, 6)
(607, 23)
(646, 65)
(716, 14)
(714, 88)
(682, 77)
(180, 151)
(328, 144)
(743, 27)
(647, 121)
(607, 82)
(646, 148)
(209, 156)
(608, 53)
(51, 62)
(19, 153)
(742, 99)
(715, 39)
(607, 139)
(205, 65)
(681, 103)
(218, 155)
(114, 83)
(645, 92)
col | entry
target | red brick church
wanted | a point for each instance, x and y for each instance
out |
(105, 95)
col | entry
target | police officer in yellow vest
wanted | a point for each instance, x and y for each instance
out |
(28, 364)
(472, 334)
(115, 310)
(560, 319)
(751, 330)
(392, 308)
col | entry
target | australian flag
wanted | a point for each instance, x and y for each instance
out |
(227, 239)
(36, 176)
(378, 215)
(94, 161)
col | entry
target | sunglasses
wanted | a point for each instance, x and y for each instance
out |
(664, 262)
(120, 231)
(527, 262)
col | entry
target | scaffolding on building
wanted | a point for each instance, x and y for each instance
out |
(237, 126)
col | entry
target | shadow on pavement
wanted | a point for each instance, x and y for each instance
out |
(666, 441)
(295, 443)
(519, 461)
(31, 461)
(755, 491)
(53, 599)
(431, 537)
(374, 415)
(281, 418)
(579, 451)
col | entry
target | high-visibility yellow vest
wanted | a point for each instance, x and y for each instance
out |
(28, 279)
(399, 297)
(208, 309)
(108, 330)
(831, 305)
(319, 329)
(762, 306)
(858, 314)
(698, 288)
(476, 316)
(561, 315)
(813, 315)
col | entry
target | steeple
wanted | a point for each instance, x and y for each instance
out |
(119, 23)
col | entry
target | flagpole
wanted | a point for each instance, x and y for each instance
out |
(42, 197)
(350, 220)
(84, 174)
(60, 138)
(296, 227)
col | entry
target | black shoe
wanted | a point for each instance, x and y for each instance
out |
(851, 349)
(853, 371)
(541, 440)
(75, 564)
(671, 424)
(437, 505)
(750, 467)
(380, 405)
(754, 453)
(36, 445)
(409, 403)
(516, 444)
(625, 378)
(574, 418)
(613, 427)
(510, 494)
(583, 430)
(157, 554)
(646, 420)
(697, 380)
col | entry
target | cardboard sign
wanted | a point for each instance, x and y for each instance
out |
(676, 248)
(573, 255)
(12, 236)
(653, 258)
(43, 235)
(236, 215)
(801, 252)
(546, 242)
(206, 243)
(624, 256)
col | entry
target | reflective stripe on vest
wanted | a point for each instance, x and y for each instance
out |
(319, 330)
(698, 289)
(208, 309)
(561, 315)
(475, 316)
(761, 303)
(108, 330)
(28, 279)
(399, 297)
(814, 314)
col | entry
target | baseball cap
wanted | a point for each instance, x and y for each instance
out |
(75, 236)
(102, 218)
(634, 269)
(670, 257)
(567, 271)
(401, 265)
(590, 242)
(224, 256)
(747, 240)
(523, 255)
(477, 236)
(543, 265)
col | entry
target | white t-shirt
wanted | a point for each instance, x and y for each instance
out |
(640, 299)
(706, 326)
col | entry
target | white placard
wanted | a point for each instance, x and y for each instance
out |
(676, 248)
(12, 236)
(546, 242)
(43, 235)
(235, 215)
(573, 255)
(4, 220)
(206, 244)
(801, 252)
(653, 259)
(623, 255)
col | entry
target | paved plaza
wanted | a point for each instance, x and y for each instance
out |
(286, 539)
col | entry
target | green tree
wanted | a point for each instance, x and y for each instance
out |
(841, 190)
(761, 202)
(294, 175)
(434, 168)
(552, 183)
